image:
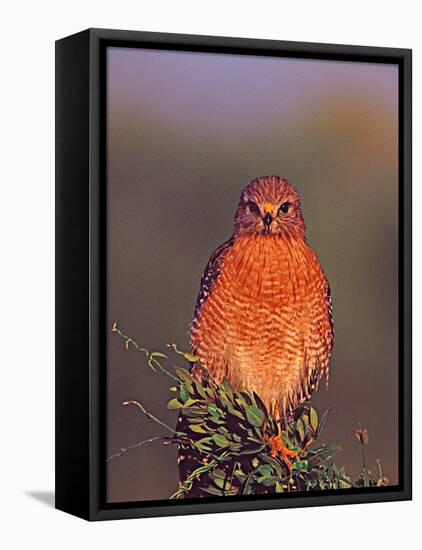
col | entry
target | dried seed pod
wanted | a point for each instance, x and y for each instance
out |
(362, 436)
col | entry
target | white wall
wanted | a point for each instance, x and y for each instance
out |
(27, 269)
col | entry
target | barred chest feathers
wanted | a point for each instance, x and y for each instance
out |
(266, 323)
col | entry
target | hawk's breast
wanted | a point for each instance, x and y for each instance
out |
(265, 324)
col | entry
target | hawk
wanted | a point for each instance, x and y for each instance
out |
(263, 316)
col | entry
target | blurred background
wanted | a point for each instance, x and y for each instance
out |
(186, 131)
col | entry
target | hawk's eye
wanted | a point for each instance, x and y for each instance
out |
(284, 208)
(254, 208)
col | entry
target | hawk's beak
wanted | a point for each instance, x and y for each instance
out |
(267, 221)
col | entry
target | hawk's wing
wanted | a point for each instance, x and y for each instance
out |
(330, 313)
(211, 273)
(189, 459)
(323, 340)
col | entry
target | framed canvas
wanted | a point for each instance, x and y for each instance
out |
(233, 276)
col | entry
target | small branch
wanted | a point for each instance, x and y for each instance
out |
(127, 339)
(135, 446)
(176, 349)
(151, 416)
(379, 468)
(152, 360)
(187, 484)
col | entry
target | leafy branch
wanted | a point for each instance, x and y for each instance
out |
(238, 446)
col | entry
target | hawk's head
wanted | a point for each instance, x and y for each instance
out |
(269, 205)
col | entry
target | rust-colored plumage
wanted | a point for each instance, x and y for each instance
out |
(263, 314)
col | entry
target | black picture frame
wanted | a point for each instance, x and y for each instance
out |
(81, 275)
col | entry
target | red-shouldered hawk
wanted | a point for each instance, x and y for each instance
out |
(263, 314)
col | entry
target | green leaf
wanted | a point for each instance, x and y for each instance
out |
(327, 451)
(245, 428)
(254, 415)
(174, 404)
(260, 404)
(251, 450)
(274, 464)
(197, 428)
(184, 375)
(234, 412)
(300, 465)
(301, 429)
(223, 483)
(215, 420)
(190, 402)
(194, 411)
(241, 402)
(191, 358)
(258, 432)
(210, 392)
(224, 400)
(247, 487)
(184, 394)
(217, 472)
(265, 470)
(279, 487)
(221, 441)
(228, 388)
(196, 419)
(200, 390)
(269, 481)
(247, 397)
(313, 415)
(323, 421)
(201, 444)
(212, 409)
(240, 476)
